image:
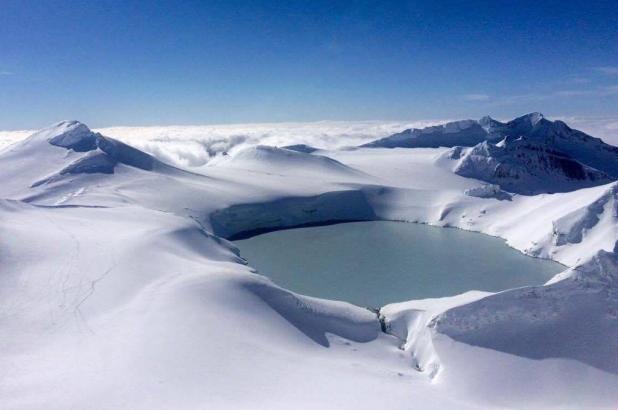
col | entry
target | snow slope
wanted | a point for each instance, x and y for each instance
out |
(118, 289)
(282, 160)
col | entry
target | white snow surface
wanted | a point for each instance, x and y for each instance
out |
(118, 289)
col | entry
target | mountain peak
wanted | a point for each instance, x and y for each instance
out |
(68, 123)
(71, 135)
(489, 123)
(65, 127)
(486, 119)
(533, 118)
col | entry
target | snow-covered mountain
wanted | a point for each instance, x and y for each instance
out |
(68, 149)
(524, 165)
(466, 133)
(528, 155)
(118, 288)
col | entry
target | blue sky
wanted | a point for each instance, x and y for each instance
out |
(200, 62)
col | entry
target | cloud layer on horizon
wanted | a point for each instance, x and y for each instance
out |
(194, 146)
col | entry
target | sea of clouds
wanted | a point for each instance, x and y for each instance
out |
(194, 146)
(190, 146)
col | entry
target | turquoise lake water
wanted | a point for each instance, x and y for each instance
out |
(376, 263)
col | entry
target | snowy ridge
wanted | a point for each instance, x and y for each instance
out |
(410, 323)
(71, 148)
(578, 232)
(574, 316)
(520, 321)
(466, 132)
(263, 158)
(571, 228)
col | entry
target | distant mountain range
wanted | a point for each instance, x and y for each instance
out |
(527, 155)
